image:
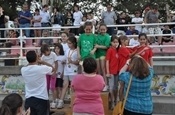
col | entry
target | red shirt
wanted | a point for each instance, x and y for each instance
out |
(112, 57)
(146, 52)
(123, 53)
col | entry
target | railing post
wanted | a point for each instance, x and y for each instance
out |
(21, 47)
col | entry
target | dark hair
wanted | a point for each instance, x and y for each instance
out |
(142, 34)
(102, 24)
(114, 37)
(122, 38)
(73, 40)
(138, 67)
(10, 104)
(45, 6)
(89, 65)
(36, 10)
(77, 7)
(87, 24)
(31, 56)
(60, 47)
(45, 48)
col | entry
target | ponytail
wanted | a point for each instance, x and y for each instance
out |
(5, 110)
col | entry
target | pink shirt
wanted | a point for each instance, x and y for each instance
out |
(87, 94)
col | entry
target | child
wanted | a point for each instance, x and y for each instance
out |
(23, 39)
(64, 37)
(46, 40)
(37, 23)
(71, 67)
(143, 49)
(123, 51)
(51, 58)
(102, 43)
(59, 81)
(112, 63)
(134, 41)
(12, 104)
(88, 87)
(86, 43)
(35, 84)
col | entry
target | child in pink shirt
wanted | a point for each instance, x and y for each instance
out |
(87, 88)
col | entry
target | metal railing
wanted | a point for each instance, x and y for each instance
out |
(21, 48)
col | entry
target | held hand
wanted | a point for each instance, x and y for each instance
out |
(96, 46)
(128, 61)
(108, 75)
(27, 112)
(69, 60)
(92, 52)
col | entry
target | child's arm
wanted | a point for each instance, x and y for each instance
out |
(93, 51)
(56, 66)
(107, 68)
(100, 46)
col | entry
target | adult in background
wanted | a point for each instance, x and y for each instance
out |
(45, 22)
(152, 16)
(139, 100)
(2, 23)
(109, 17)
(25, 17)
(57, 19)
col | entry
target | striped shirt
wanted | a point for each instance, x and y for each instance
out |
(139, 97)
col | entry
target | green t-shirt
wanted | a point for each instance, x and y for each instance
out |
(86, 44)
(103, 40)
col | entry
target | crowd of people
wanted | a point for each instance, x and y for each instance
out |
(56, 19)
(92, 63)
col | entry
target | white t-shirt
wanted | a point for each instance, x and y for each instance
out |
(45, 16)
(61, 59)
(23, 38)
(137, 20)
(77, 16)
(71, 69)
(65, 47)
(37, 24)
(50, 59)
(133, 42)
(35, 80)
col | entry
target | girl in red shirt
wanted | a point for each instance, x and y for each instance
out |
(143, 49)
(112, 68)
(123, 51)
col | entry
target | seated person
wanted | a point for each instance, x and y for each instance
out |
(131, 30)
(134, 40)
(46, 40)
(167, 30)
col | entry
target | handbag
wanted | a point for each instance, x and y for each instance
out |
(119, 108)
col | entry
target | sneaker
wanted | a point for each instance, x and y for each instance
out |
(60, 104)
(53, 105)
(105, 88)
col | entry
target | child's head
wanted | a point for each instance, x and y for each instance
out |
(102, 28)
(59, 49)
(84, 18)
(88, 27)
(90, 65)
(89, 16)
(37, 11)
(143, 39)
(45, 49)
(31, 56)
(123, 40)
(114, 41)
(69, 14)
(166, 27)
(72, 42)
(45, 33)
(64, 37)
(11, 105)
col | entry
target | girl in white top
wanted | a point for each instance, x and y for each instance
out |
(71, 67)
(61, 59)
(77, 16)
(137, 20)
(37, 23)
(64, 38)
